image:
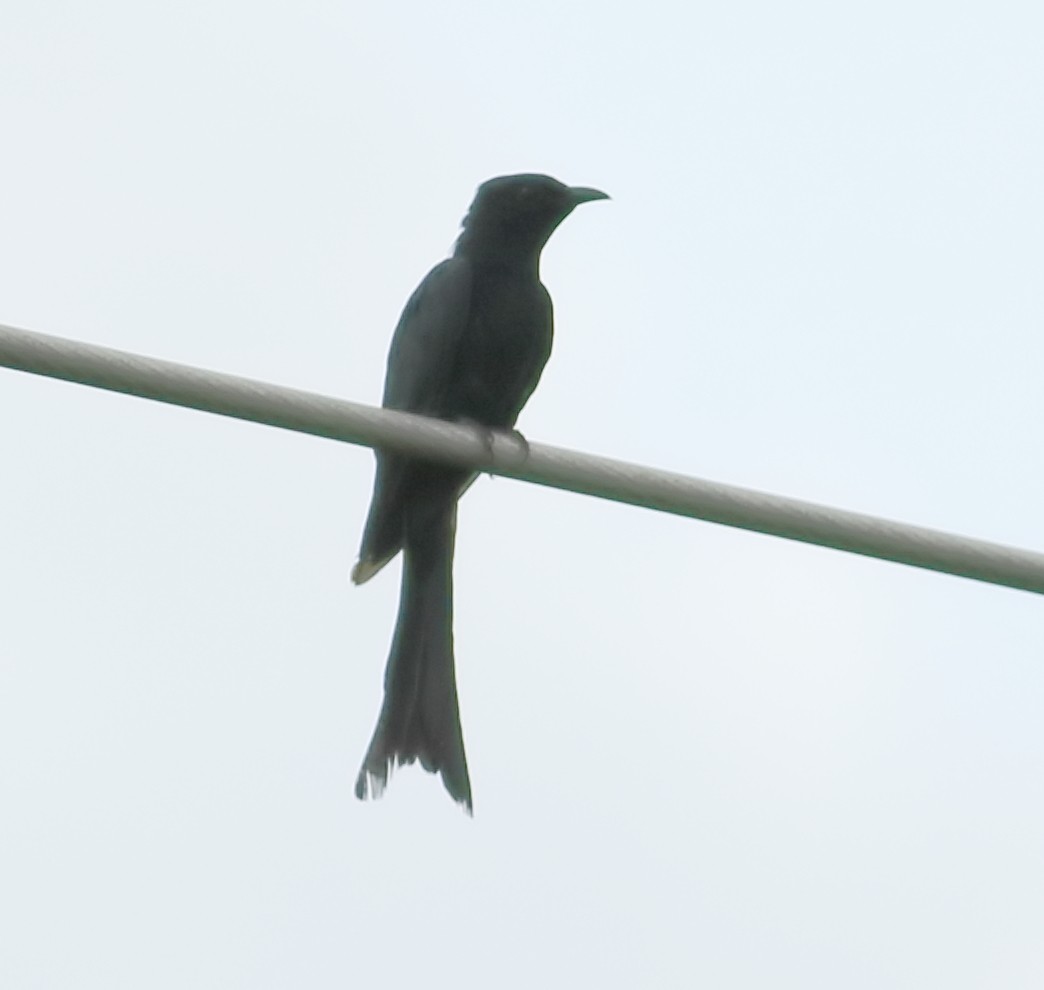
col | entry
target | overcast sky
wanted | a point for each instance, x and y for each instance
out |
(700, 757)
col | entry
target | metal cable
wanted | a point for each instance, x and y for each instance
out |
(338, 419)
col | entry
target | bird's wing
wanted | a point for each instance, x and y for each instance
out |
(421, 364)
(424, 348)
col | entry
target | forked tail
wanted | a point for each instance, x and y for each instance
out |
(420, 718)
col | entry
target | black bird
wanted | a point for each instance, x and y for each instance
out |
(470, 346)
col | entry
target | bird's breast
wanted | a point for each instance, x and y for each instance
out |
(505, 346)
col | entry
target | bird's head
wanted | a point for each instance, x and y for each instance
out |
(516, 214)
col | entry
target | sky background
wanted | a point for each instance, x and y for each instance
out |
(699, 756)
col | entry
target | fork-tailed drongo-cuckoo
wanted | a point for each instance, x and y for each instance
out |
(470, 346)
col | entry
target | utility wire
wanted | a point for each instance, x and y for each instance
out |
(324, 416)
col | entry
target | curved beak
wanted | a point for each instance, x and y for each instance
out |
(583, 194)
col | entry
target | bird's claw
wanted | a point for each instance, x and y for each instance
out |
(522, 442)
(487, 434)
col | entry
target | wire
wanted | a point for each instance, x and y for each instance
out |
(352, 422)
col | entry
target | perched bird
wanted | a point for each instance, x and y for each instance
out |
(469, 347)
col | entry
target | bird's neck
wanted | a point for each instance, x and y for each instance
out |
(496, 253)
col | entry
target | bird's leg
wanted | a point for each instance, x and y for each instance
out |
(487, 434)
(523, 443)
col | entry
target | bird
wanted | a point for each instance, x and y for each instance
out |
(469, 347)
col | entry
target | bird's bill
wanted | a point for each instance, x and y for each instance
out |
(583, 194)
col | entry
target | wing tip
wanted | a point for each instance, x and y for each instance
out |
(365, 569)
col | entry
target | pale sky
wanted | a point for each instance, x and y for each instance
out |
(699, 757)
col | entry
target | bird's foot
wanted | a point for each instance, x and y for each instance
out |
(522, 442)
(487, 434)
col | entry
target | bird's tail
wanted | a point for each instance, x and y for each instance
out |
(420, 719)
